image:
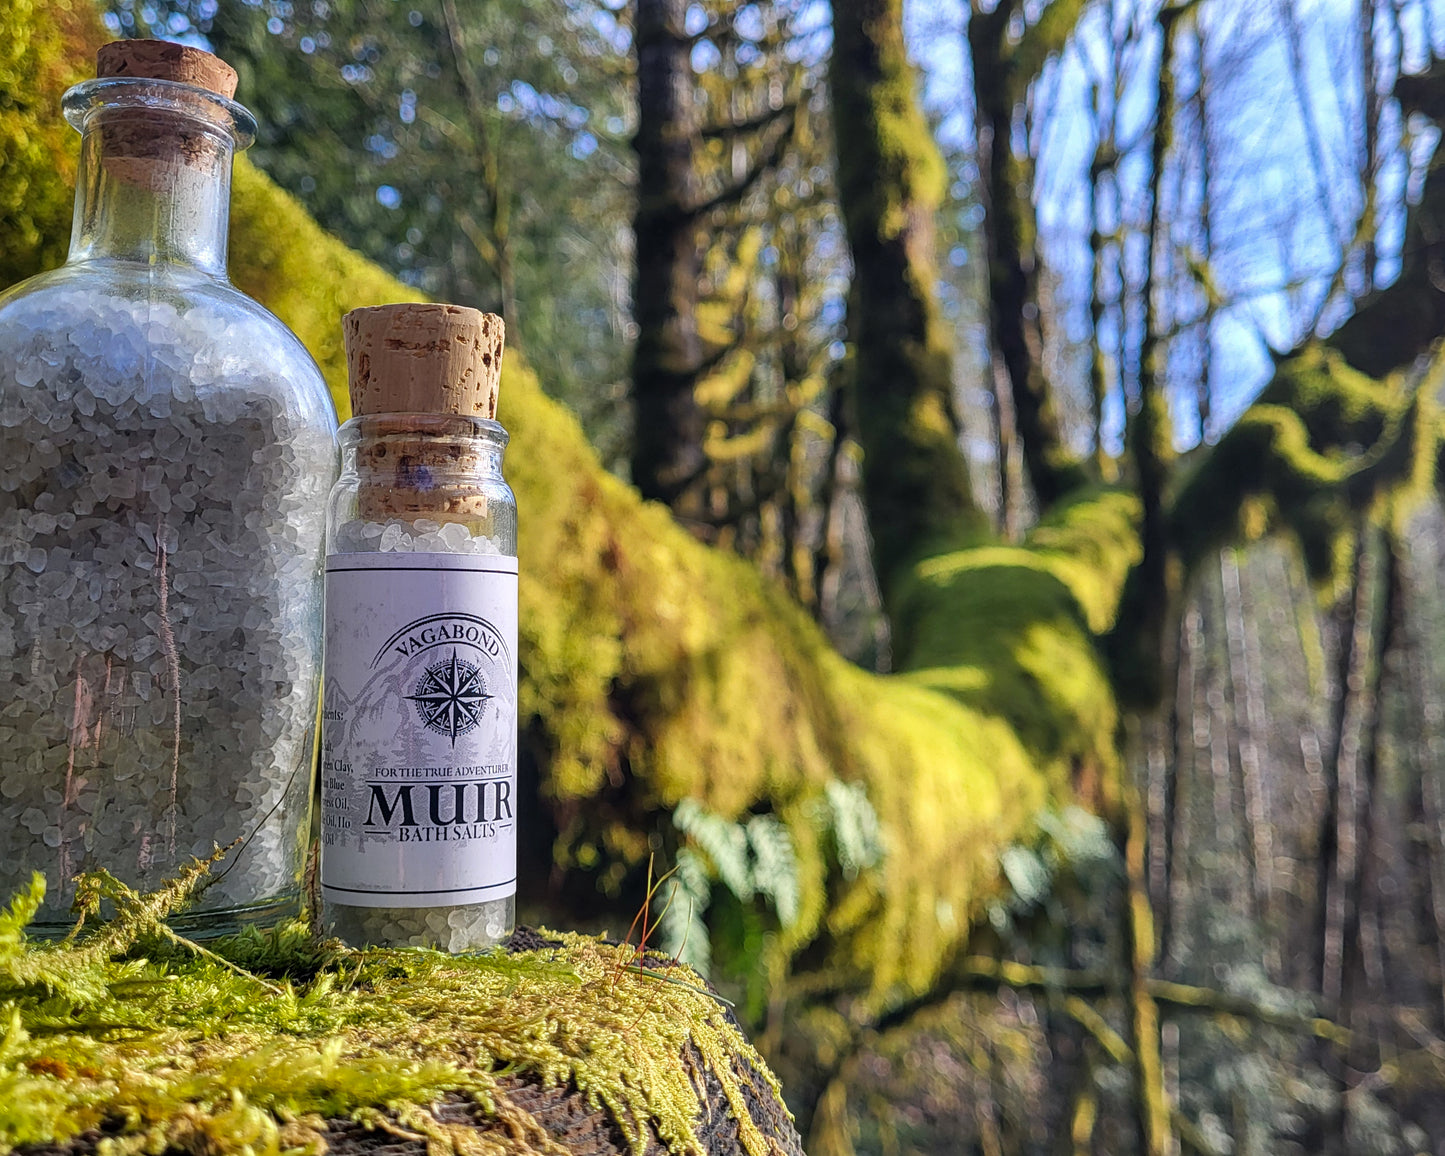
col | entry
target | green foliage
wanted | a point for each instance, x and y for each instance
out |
(682, 927)
(775, 867)
(725, 843)
(1025, 873)
(1071, 853)
(474, 181)
(750, 859)
(857, 837)
(48, 46)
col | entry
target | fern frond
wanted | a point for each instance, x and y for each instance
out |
(775, 866)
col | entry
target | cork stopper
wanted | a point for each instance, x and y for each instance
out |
(161, 151)
(424, 359)
(162, 60)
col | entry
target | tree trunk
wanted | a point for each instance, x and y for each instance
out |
(999, 81)
(890, 184)
(1154, 584)
(1243, 692)
(1151, 1101)
(668, 423)
(1338, 842)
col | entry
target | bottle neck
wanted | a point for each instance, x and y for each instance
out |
(410, 465)
(155, 183)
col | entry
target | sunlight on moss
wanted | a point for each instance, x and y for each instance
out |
(126, 1028)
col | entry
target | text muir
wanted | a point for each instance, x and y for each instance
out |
(439, 804)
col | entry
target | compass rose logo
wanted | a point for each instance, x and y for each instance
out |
(449, 697)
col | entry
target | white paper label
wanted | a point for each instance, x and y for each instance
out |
(419, 730)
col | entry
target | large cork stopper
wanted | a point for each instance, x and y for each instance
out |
(409, 362)
(424, 359)
(162, 60)
(155, 149)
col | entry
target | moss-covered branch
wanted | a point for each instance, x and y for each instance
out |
(1322, 444)
(1347, 423)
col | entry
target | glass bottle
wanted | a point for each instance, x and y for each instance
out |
(166, 447)
(419, 730)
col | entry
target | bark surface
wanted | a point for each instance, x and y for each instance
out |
(890, 185)
(667, 454)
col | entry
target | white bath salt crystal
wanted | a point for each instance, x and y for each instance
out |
(100, 413)
(453, 534)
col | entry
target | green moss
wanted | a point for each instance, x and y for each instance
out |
(910, 176)
(1010, 632)
(1322, 444)
(246, 1049)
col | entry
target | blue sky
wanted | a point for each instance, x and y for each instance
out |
(1279, 222)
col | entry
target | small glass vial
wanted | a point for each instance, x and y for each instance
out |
(419, 720)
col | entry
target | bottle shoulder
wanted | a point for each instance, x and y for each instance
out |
(117, 317)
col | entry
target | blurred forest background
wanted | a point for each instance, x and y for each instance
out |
(1072, 363)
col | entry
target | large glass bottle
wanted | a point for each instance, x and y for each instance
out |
(419, 738)
(166, 448)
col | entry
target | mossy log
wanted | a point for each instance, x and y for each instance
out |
(127, 1039)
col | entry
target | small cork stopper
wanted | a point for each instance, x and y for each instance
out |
(162, 60)
(424, 359)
